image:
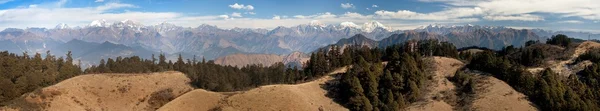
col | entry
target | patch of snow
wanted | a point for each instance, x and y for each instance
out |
(99, 23)
(62, 26)
(370, 26)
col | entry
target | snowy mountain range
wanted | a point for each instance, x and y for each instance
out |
(211, 41)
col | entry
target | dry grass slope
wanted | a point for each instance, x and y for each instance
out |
(113, 92)
(495, 95)
(562, 67)
(444, 68)
(300, 97)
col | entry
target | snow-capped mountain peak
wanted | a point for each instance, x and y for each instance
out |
(165, 27)
(348, 24)
(62, 26)
(316, 23)
(128, 23)
(370, 26)
(99, 23)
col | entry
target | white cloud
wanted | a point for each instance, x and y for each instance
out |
(33, 6)
(586, 9)
(449, 14)
(110, 6)
(242, 7)
(99, 1)
(316, 16)
(276, 17)
(251, 13)
(5, 1)
(374, 6)
(368, 9)
(571, 22)
(224, 16)
(355, 15)
(347, 5)
(44, 16)
(596, 21)
(522, 17)
(300, 16)
(456, 13)
(236, 14)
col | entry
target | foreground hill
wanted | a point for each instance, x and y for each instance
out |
(170, 91)
(302, 97)
(569, 66)
(444, 68)
(491, 94)
(106, 92)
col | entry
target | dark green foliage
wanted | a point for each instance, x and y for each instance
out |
(532, 57)
(548, 90)
(23, 74)
(503, 69)
(560, 39)
(206, 75)
(531, 42)
(387, 88)
(466, 82)
(592, 55)
(436, 48)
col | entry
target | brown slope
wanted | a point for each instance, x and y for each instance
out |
(491, 94)
(113, 92)
(301, 97)
(495, 95)
(564, 67)
(444, 68)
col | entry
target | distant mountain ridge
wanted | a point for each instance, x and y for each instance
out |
(478, 37)
(211, 42)
(294, 59)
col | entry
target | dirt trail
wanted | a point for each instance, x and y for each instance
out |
(113, 92)
(308, 96)
(444, 67)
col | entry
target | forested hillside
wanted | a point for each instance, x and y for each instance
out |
(546, 89)
(23, 74)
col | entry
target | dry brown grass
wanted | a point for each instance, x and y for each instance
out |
(492, 94)
(113, 92)
(563, 67)
(308, 96)
(443, 68)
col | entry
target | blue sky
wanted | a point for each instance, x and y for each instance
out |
(571, 15)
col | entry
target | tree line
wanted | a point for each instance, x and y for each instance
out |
(204, 74)
(370, 85)
(20, 74)
(547, 89)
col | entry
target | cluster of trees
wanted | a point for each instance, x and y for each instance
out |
(205, 74)
(20, 74)
(547, 89)
(437, 48)
(560, 39)
(370, 85)
(592, 55)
